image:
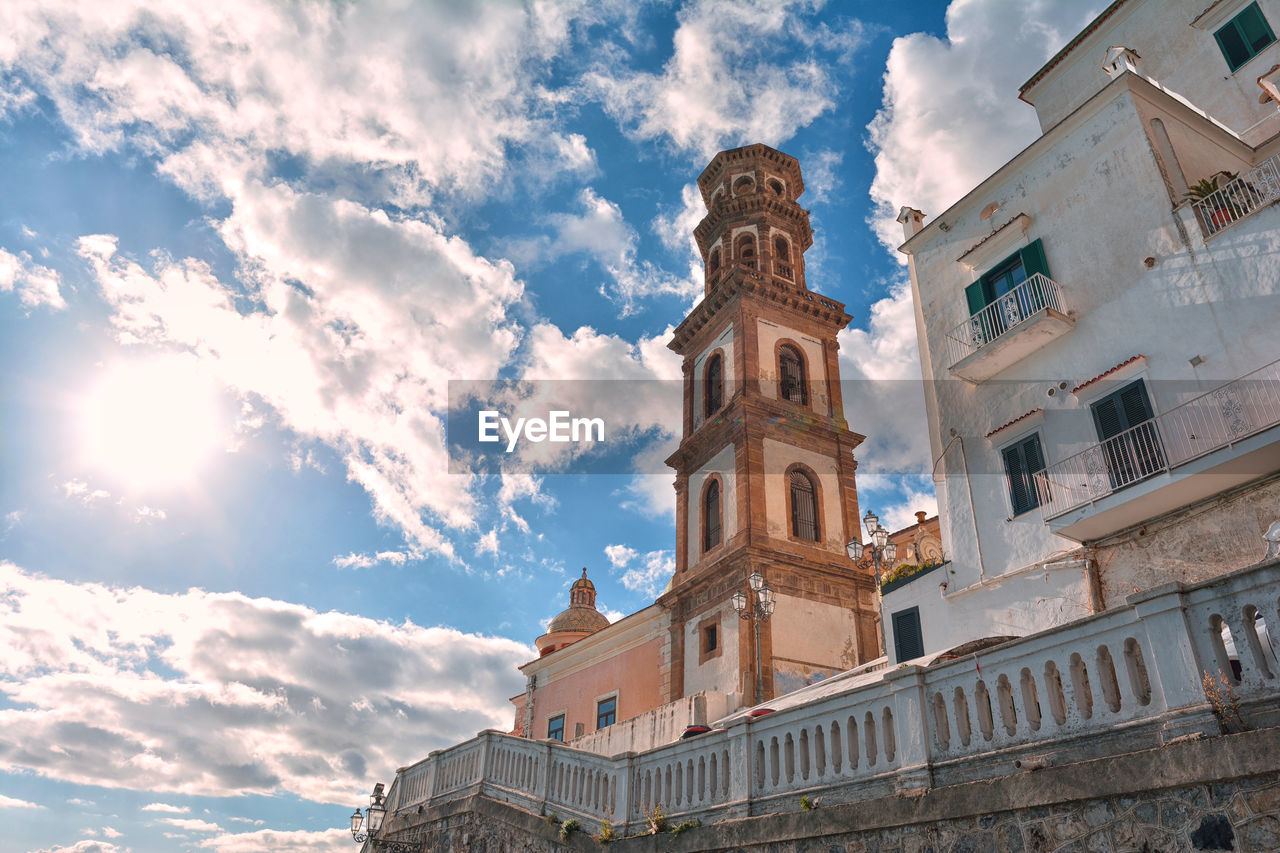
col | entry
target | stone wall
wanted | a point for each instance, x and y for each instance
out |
(1220, 793)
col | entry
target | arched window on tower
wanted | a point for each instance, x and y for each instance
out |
(745, 249)
(791, 376)
(782, 256)
(711, 516)
(713, 262)
(804, 506)
(713, 397)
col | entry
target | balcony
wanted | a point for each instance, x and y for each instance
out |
(1010, 328)
(1240, 197)
(1213, 442)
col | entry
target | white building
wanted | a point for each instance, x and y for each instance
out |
(1099, 347)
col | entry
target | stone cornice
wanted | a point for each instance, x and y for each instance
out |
(759, 202)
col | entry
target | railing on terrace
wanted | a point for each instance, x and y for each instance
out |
(1240, 197)
(1137, 668)
(1003, 316)
(1212, 421)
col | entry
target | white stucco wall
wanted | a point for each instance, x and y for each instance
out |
(1184, 58)
(777, 458)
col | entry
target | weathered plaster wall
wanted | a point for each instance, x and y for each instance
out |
(767, 336)
(718, 671)
(777, 457)
(807, 638)
(723, 464)
(1200, 543)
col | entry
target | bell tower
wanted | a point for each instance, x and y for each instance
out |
(765, 467)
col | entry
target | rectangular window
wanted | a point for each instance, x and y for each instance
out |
(555, 728)
(709, 639)
(1022, 461)
(908, 643)
(1244, 36)
(606, 712)
(1130, 436)
(996, 285)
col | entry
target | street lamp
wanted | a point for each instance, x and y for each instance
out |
(759, 610)
(364, 827)
(883, 552)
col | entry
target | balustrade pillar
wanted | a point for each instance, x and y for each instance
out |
(1173, 662)
(911, 721)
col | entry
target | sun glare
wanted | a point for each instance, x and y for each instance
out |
(151, 424)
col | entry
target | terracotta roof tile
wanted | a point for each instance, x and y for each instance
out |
(1104, 374)
(1014, 421)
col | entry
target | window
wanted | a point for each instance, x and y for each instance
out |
(1244, 36)
(1002, 280)
(745, 249)
(804, 506)
(711, 516)
(606, 712)
(908, 642)
(713, 399)
(1130, 438)
(555, 728)
(713, 264)
(709, 639)
(1022, 461)
(791, 371)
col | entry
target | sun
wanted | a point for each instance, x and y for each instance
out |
(151, 424)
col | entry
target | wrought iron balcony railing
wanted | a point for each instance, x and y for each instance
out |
(1212, 421)
(1003, 316)
(1238, 198)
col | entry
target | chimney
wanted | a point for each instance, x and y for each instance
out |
(921, 515)
(912, 221)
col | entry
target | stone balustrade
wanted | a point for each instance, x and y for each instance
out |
(1122, 680)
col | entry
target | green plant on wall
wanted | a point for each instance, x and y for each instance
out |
(906, 570)
(568, 828)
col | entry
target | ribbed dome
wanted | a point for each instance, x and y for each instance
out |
(581, 618)
(578, 619)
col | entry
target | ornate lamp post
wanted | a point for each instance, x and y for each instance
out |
(759, 610)
(364, 827)
(883, 552)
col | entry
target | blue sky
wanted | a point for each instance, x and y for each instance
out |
(243, 249)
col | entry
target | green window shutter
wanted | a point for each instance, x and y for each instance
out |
(1232, 45)
(1021, 462)
(1108, 418)
(1033, 259)
(1244, 36)
(908, 643)
(975, 297)
(1122, 410)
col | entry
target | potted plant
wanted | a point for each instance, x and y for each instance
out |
(1224, 210)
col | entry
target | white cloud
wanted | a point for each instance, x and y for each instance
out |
(488, 543)
(85, 846)
(620, 555)
(111, 832)
(35, 285)
(739, 72)
(190, 824)
(14, 803)
(147, 513)
(951, 115)
(882, 388)
(367, 561)
(80, 490)
(222, 718)
(297, 841)
(651, 575)
(165, 807)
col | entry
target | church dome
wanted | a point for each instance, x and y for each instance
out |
(578, 621)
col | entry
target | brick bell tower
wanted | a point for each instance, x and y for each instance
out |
(765, 469)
